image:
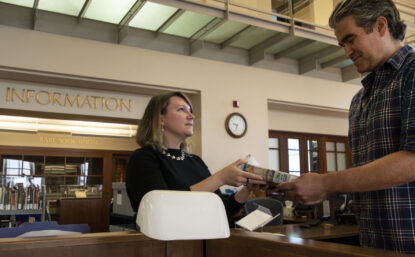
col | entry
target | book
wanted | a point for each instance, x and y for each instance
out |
(271, 176)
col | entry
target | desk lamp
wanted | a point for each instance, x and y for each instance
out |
(182, 215)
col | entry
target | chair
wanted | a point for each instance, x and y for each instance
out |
(47, 228)
(274, 205)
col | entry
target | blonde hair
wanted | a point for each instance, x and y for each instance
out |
(150, 130)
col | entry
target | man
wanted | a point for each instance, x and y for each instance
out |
(381, 128)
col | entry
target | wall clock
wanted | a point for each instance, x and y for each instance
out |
(236, 125)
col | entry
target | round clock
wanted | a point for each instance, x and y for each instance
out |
(236, 125)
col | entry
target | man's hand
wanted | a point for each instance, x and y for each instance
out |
(308, 189)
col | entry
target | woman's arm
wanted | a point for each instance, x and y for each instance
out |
(230, 175)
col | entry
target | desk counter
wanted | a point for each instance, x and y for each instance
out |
(133, 244)
(319, 232)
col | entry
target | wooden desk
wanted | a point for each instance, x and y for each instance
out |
(133, 244)
(248, 244)
(318, 232)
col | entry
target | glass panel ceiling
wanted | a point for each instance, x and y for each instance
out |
(188, 24)
(152, 16)
(25, 3)
(224, 31)
(111, 11)
(69, 7)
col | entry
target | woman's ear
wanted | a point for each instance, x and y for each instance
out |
(162, 120)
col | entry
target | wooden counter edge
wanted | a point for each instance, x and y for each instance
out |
(263, 243)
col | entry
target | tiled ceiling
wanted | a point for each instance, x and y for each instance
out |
(237, 33)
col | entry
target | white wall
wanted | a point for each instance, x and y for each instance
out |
(218, 82)
(307, 123)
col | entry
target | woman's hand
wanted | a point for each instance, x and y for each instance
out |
(232, 175)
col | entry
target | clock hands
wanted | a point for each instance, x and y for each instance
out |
(236, 125)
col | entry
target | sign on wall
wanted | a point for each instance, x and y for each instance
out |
(18, 95)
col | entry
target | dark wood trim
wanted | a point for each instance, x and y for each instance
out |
(106, 155)
(303, 137)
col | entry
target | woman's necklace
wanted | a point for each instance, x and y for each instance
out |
(178, 158)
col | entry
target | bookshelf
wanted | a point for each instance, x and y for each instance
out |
(24, 208)
(64, 172)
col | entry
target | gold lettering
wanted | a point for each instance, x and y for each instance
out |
(8, 95)
(95, 101)
(68, 99)
(47, 140)
(21, 97)
(87, 100)
(44, 97)
(87, 141)
(107, 104)
(128, 107)
(29, 95)
(56, 98)
(38, 97)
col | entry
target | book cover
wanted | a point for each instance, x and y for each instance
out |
(2, 198)
(271, 176)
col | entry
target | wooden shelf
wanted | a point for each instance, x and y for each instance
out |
(21, 212)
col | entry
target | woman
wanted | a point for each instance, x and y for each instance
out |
(164, 163)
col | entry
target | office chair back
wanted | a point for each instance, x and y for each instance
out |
(274, 205)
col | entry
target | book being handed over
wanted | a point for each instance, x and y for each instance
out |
(271, 176)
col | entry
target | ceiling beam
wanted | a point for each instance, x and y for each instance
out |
(237, 36)
(123, 25)
(203, 32)
(333, 62)
(310, 62)
(170, 21)
(132, 13)
(83, 10)
(195, 46)
(257, 53)
(293, 48)
(35, 10)
(207, 29)
(350, 73)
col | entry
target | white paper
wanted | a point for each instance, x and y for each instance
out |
(255, 220)
(326, 208)
(119, 199)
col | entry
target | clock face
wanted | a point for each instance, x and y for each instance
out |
(236, 125)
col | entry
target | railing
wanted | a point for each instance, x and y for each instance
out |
(308, 14)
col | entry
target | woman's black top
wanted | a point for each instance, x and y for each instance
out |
(148, 169)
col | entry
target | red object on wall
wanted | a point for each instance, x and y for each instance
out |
(236, 104)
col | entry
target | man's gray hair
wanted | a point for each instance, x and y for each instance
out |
(366, 13)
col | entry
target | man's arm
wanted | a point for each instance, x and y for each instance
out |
(392, 170)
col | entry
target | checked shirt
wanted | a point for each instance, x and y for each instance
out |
(382, 121)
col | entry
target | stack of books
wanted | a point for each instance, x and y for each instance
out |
(19, 198)
(271, 176)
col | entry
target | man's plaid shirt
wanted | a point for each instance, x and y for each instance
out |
(382, 121)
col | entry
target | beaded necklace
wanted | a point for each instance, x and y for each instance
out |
(177, 158)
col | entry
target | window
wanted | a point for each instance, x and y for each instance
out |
(294, 156)
(335, 156)
(299, 153)
(274, 154)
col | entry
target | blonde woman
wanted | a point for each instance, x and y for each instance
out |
(163, 162)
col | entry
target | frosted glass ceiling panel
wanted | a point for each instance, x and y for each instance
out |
(111, 11)
(225, 31)
(188, 24)
(69, 7)
(152, 16)
(26, 3)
